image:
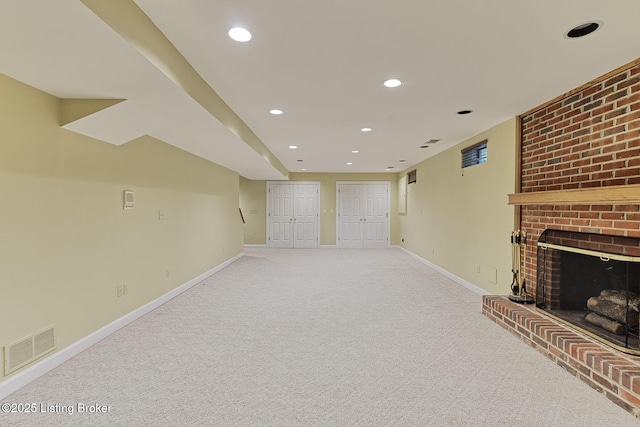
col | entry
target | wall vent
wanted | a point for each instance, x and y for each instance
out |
(29, 349)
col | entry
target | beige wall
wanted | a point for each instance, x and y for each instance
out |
(254, 189)
(253, 202)
(66, 242)
(461, 222)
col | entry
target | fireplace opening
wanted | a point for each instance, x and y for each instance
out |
(592, 283)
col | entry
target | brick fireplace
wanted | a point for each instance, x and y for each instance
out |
(587, 139)
(579, 173)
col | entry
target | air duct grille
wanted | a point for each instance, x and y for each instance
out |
(428, 143)
(27, 350)
(43, 342)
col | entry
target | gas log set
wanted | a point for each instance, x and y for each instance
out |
(613, 310)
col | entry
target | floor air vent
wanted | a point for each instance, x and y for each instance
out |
(26, 350)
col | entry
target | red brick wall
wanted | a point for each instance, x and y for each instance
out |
(590, 138)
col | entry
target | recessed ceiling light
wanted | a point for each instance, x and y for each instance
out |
(388, 169)
(366, 130)
(583, 30)
(424, 146)
(240, 34)
(393, 82)
(303, 169)
(462, 112)
(349, 163)
(402, 161)
(293, 147)
(276, 112)
(355, 151)
(299, 160)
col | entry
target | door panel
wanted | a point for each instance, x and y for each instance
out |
(306, 216)
(377, 218)
(293, 215)
(363, 216)
(280, 216)
(350, 216)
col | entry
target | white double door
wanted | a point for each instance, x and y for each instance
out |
(363, 215)
(293, 215)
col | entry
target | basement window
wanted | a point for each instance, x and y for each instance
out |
(475, 154)
(411, 176)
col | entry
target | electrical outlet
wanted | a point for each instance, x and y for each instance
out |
(125, 290)
(119, 291)
(166, 273)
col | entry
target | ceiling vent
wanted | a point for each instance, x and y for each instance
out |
(428, 143)
(431, 141)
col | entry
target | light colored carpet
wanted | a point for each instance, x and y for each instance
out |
(322, 337)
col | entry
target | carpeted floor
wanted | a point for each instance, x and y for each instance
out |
(317, 338)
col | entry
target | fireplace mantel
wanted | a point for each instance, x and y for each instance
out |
(629, 194)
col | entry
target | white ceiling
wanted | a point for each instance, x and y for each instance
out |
(323, 63)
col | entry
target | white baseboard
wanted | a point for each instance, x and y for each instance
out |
(265, 246)
(476, 289)
(37, 370)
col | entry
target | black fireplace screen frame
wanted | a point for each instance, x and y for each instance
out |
(578, 275)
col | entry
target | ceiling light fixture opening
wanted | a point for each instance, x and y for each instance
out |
(276, 112)
(393, 82)
(402, 161)
(349, 163)
(366, 130)
(463, 112)
(583, 30)
(293, 147)
(299, 160)
(355, 151)
(240, 34)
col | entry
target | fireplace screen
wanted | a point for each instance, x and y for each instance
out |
(591, 282)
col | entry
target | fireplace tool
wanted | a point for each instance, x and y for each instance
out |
(519, 292)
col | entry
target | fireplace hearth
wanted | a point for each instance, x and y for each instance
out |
(592, 283)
